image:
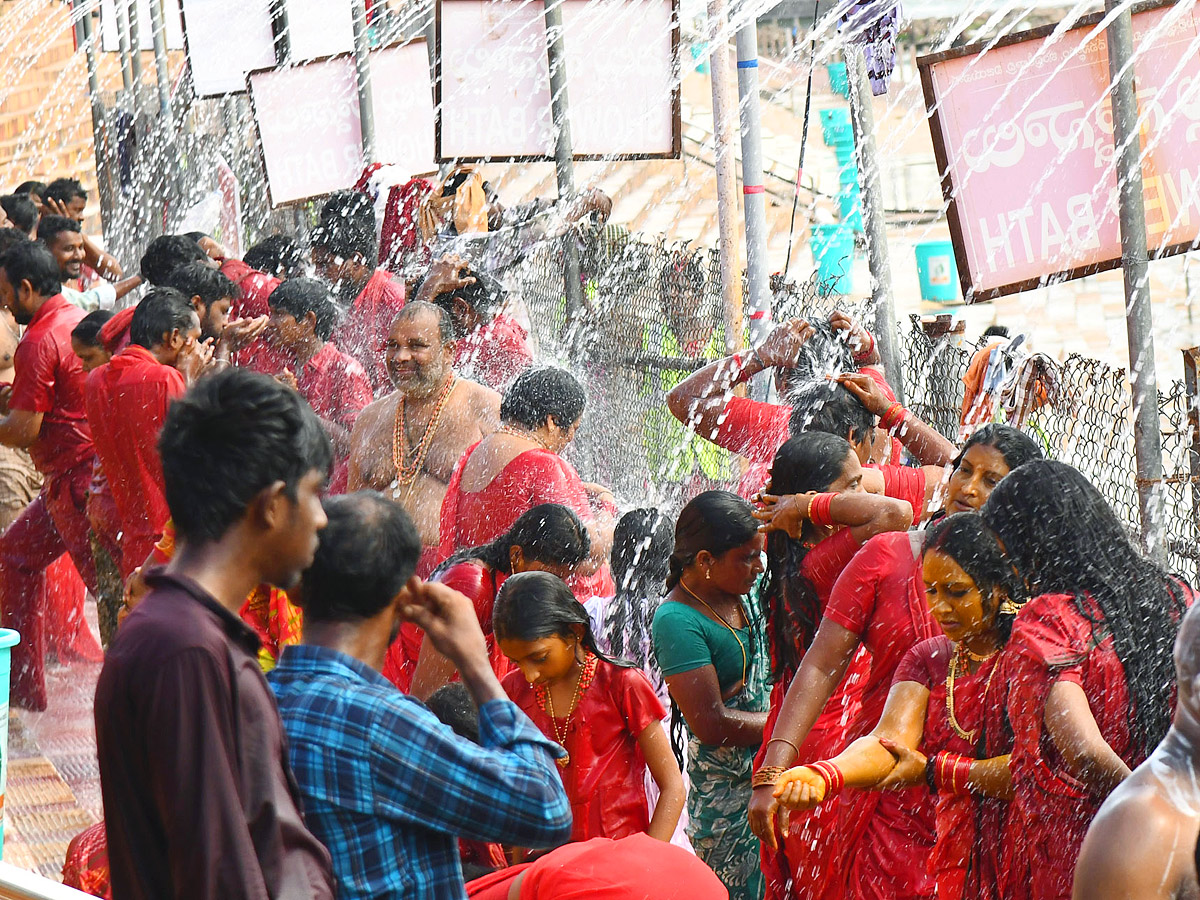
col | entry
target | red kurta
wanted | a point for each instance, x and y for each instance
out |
(364, 331)
(336, 387)
(494, 354)
(968, 858)
(811, 852)
(605, 778)
(888, 834)
(260, 355)
(470, 519)
(127, 402)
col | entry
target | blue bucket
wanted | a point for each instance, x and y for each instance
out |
(836, 127)
(850, 197)
(700, 57)
(8, 640)
(838, 80)
(833, 252)
(937, 271)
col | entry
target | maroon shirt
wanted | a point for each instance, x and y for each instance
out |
(199, 801)
(49, 380)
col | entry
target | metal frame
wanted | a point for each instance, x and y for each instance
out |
(925, 64)
(676, 108)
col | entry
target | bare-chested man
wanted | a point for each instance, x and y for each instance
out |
(407, 443)
(1142, 843)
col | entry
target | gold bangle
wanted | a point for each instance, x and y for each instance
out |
(784, 741)
(767, 775)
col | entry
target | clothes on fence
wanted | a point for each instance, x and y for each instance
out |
(494, 354)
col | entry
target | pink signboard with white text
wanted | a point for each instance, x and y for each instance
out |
(1024, 140)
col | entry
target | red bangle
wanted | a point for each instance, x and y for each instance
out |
(819, 510)
(864, 354)
(831, 775)
(893, 416)
(952, 772)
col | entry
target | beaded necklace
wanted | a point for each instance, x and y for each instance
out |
(542, 693)
(409, 467)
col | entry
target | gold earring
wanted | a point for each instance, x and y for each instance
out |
(707, 574)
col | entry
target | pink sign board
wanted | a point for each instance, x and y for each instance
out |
(1024, 139)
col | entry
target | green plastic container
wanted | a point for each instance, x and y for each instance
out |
(836, 127)
(937, 271)
(833, 252)
(8, 640)
(844, 151)
(838, 79)
(700, 57)
(850, 197)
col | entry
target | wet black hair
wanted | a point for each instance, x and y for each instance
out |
(197, 236)
(10, 237)
(64, 190)
(33, 188)
(643, 541)
(994, 331)
(453, 706)
(346, 226)
(534, 605)
(484, 296)
(87, 332)
(159, 313)
(365, 555)
(539, 393)
(808, 462)
(300, 296)
(167, 253)
(21, 211)
(231, 436)
(1015, 446)
(966, 539)
(278, 255)
(1063, 538)
(716, 521)
(50, 227)
(827, 352)
(830, 407)
(197, 279)
(32, 261)
(549, 533)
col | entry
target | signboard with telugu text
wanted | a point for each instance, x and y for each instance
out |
(1023, 136)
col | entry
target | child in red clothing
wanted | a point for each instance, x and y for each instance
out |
(605, 715)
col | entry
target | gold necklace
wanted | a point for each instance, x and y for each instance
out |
(581, 685)
(960, 652)
(732, 630)
(532, 438)
(408, 467)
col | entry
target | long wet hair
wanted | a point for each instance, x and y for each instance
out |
(534, 605)
(548, 533)
(808, 462)
(643, 540)
(1063, 538)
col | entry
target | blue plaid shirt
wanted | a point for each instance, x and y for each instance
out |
(389, 789)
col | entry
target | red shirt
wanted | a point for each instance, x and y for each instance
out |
(127, 402)
(255, 288)
(114, 334)
(605, 778)
(336, 387)
(49, 380)
(364, 331)
(494, 354)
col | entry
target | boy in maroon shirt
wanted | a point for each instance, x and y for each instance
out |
(43, 411)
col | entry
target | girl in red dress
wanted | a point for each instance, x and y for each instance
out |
(606, 716)
(1094, 669)
(519, 467)
(547, 538)
(943, 723)
(878, 602)
(811, 538)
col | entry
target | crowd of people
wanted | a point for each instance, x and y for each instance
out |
(366, 631)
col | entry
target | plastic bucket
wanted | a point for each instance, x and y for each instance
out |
(838, 80)
(937, 271)
(850, 198)
(8, 640)
(700, 57)
(836, 127)
(833, 252)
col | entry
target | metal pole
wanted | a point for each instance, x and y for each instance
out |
(99, 132)
(159, 24)
(135, 44)
(123, 44)
(723, 151)
(1139, 329)
(281, 32)
(873, 222)
(564, 159)
(362, 69)
(757, 273)
(1191, 381)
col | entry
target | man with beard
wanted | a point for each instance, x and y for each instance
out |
(344, 250)
(212, 295)
(65, 240)
(407, 443)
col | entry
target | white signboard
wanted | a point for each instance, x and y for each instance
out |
(110, 34)
(308, 120)
(225, 40)
(319, 28)
(494, 96)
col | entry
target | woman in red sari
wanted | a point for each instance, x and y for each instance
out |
(812, 536)
(943, 723)
(519, 466)
(879, 603)
(1094, 669)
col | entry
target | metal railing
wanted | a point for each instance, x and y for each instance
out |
(17, 884)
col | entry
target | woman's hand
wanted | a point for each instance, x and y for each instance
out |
(909, 770)
(856, 336)
(787, 513)
(782, 346)
(868, 392)
(766, 816)
(800, 788)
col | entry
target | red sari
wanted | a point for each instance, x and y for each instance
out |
(605, 778)
(888, 835)
(967, 860)
(474, 518)
(802, 866)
